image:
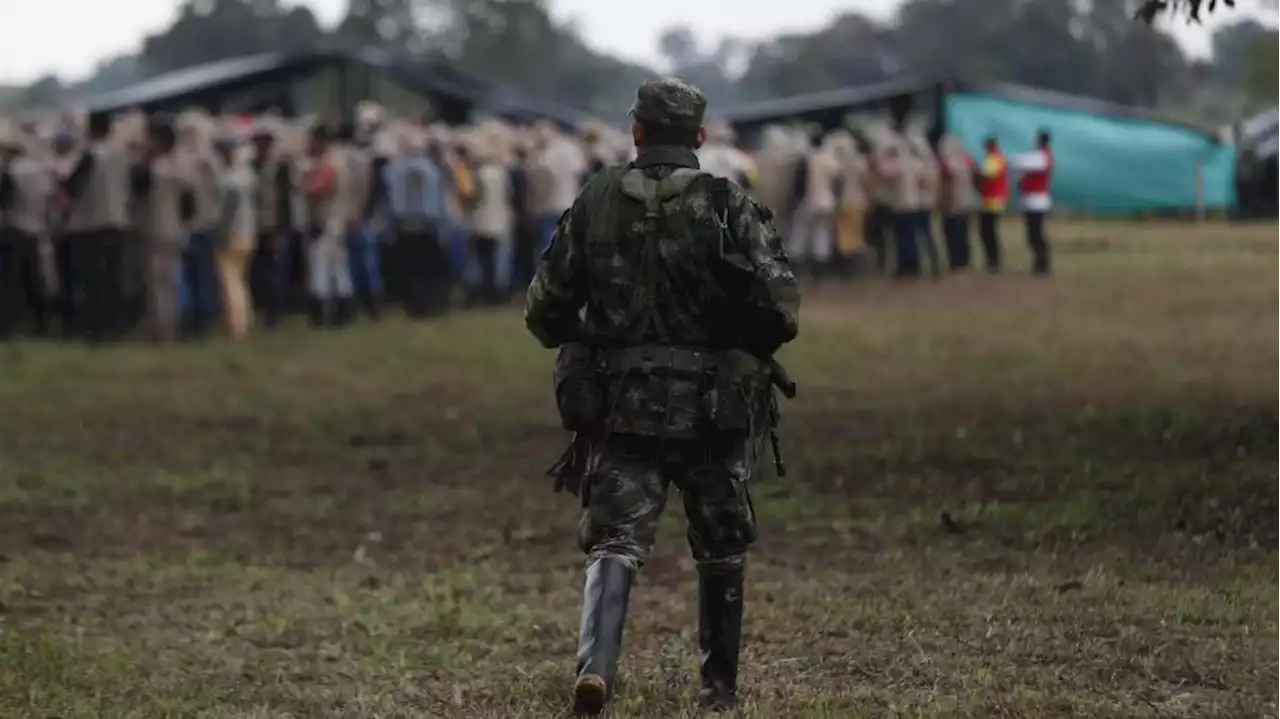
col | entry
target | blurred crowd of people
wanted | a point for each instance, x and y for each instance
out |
(184, 224)
(877, 199)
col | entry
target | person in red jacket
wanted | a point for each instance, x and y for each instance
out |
(1034, 188)
(993, 189)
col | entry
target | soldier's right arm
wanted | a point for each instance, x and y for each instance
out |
(774, 305)
(558, 290)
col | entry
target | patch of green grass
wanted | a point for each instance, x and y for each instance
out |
(1006, 497)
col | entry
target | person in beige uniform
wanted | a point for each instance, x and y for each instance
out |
(928, 177)
(956, 201)
(165, 202)
(362, 237)
(811, 234)
(236, 234)
(196, 160)
(492, 221)
(274, 212)
(26, 189)
(852, 202)
(98, 195)
(896, 167)
(329, 212)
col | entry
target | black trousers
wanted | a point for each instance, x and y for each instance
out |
(269, 276)
(955, 231)
(23, 300)
(524, 262)
(484, 250)
(989, 235)
(97, 259)
(1038, 242)
(425, 267)
(879, 224)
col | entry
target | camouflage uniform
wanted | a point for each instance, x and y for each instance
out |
(671, 277)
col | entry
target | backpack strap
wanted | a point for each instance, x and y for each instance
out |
(652, 192)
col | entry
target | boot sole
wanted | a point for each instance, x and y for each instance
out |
(589, 695)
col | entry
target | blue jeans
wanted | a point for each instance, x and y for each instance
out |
(199, 291)
(328, 269)
(365, 252)
(459, 249)
(905, 226)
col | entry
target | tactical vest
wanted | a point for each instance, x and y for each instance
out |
(653, 387)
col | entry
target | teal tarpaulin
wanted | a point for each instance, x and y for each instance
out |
(1103, 164)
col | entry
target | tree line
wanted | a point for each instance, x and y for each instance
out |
(1095, 49)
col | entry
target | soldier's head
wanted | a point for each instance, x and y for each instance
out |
(991, 144)
(1043, 139)
(668, 111)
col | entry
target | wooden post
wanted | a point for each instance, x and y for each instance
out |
(1200, 210)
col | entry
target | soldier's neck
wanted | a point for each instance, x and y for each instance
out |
(666, 155)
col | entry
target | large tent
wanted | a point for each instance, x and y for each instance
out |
(1111, 159)
(276, 80)
(1258, 140)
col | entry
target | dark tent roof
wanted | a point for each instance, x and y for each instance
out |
(830, 106)
(188, 83)
(820, 106)
(433, 79)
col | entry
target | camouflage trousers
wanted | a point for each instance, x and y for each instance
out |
(628, 490)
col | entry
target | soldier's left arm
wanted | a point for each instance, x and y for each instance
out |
(558, 289)
(775, 296)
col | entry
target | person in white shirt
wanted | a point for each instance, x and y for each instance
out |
(1035, 180)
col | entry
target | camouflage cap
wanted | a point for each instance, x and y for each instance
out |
(669, 102)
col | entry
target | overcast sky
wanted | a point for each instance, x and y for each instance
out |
(68, 37)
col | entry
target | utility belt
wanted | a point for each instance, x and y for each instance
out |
(734, 385)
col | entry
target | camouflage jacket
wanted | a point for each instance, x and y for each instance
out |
(598, 284)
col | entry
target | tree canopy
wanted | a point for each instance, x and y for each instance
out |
(1094, 49)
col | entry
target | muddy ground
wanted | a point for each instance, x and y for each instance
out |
(1007, 497)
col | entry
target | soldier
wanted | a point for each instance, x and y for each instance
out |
(26, 189)
(98, 195)
(166, 202)
(685, 292)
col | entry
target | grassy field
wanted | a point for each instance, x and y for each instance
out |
(1008, 498)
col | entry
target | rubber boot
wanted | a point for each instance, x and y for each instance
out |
(604, 613)
(720, 603)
